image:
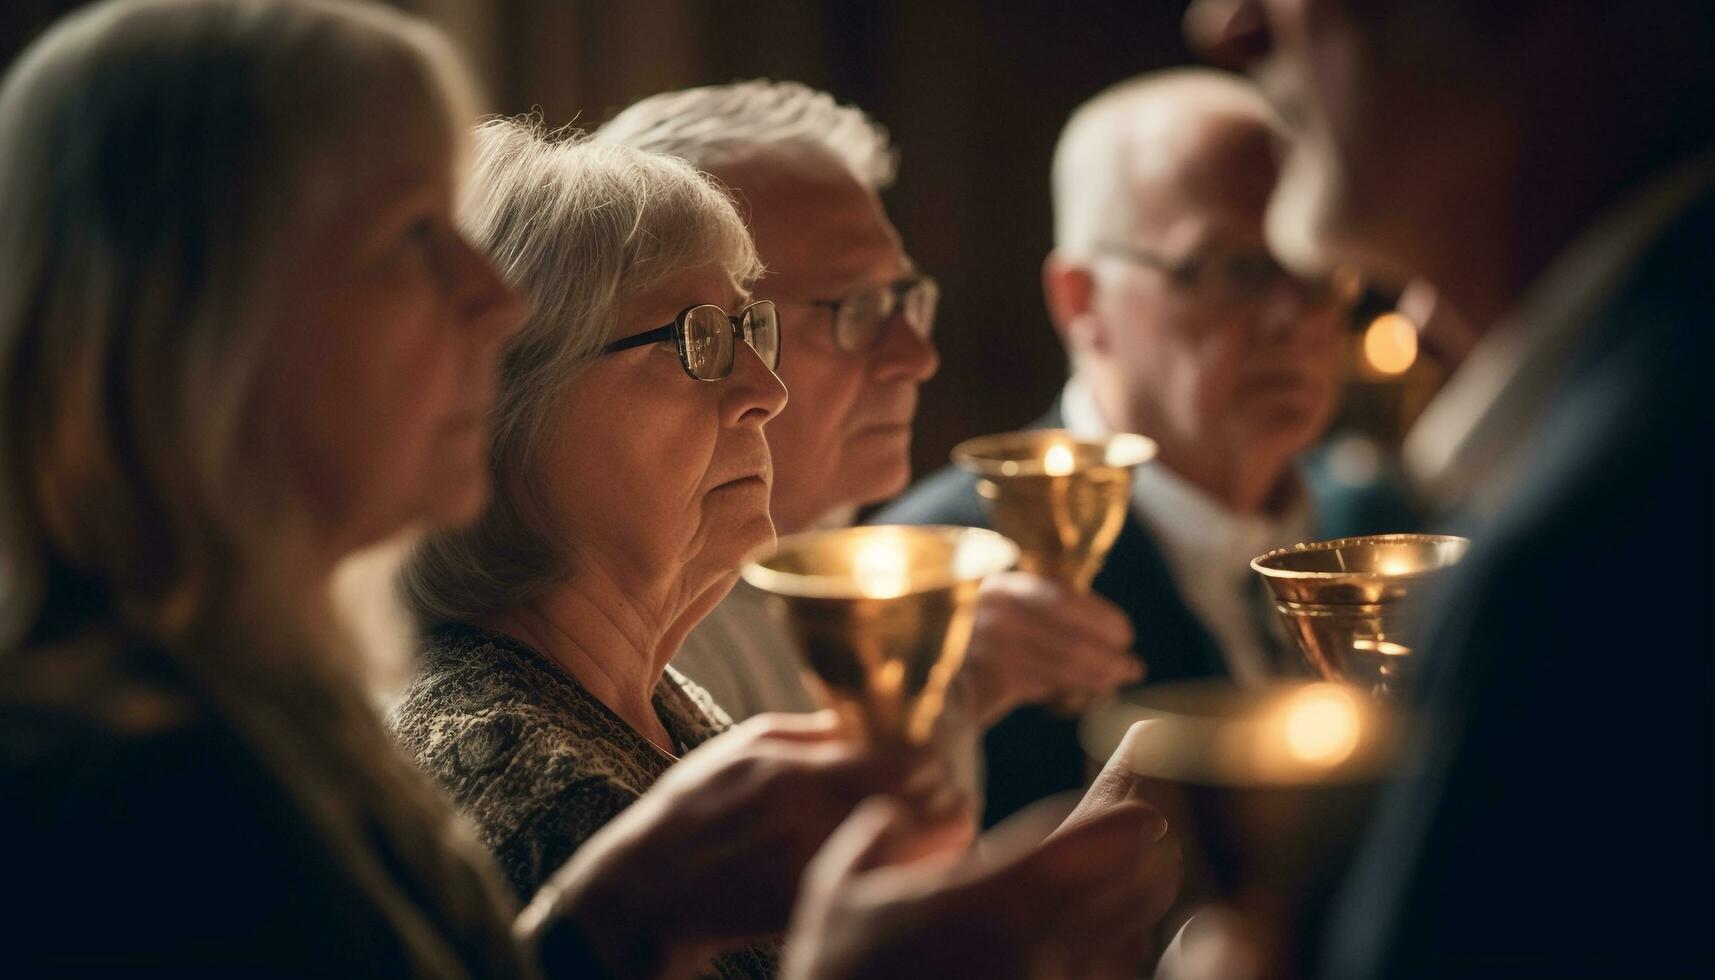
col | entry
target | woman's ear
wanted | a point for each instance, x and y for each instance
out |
(1070, 290)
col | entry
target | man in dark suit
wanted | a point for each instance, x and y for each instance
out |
(1550, 166)
(1180, 325)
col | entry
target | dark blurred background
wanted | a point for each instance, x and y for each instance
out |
(974, 92)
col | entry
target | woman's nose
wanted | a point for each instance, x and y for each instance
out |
(752, 394)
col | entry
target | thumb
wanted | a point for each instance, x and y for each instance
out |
(1117, 783)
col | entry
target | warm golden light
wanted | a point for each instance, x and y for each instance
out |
(879, 569)
(1321, 725)
(1390, 344)
(1396, 566)
(1058, 460)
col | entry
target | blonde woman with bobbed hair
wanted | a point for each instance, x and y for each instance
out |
(239, 337)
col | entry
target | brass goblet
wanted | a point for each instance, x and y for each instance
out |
(1272, 785)
(1347, 604)
(1063, 499)
(882, 615)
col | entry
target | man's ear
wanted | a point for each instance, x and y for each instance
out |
(1070, 290)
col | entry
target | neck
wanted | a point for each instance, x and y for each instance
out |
(614, 643)
(1247, 481)
(1251, 483)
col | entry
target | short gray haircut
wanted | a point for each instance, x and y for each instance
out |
(717, 125)
(1110, 137)
(580, 227)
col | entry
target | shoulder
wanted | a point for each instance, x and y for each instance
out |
(529, 756)
(93, 808)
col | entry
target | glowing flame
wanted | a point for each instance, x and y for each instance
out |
(1058, 460)
(1390, 344)
(880, 569)
(1321, 725)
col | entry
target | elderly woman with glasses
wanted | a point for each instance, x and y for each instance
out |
(631, 478)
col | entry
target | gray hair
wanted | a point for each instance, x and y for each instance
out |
(717, 125)
(1124, 127)
(580, 227)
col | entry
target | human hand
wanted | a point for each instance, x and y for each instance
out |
(1074, 905)
(712, 854)
(1036, 640)
(1117, 785)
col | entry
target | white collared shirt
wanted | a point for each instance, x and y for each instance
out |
(1207, 546)
(1467, 448)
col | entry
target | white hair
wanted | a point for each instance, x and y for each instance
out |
(717, 125)
(1126, 128)
(580, 227)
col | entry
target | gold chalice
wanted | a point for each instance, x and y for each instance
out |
(1269, 788)
(883, 615)
(1347, 604)
(1063, 499)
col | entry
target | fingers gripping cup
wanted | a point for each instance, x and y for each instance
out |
(1063, 499)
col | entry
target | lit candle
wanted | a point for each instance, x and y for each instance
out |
(879, 566)
(1058, 460)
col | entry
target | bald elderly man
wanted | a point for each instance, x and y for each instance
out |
(1179, 324)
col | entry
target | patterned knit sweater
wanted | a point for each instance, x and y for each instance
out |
(535, 760)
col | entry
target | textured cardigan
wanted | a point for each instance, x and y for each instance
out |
(537, 762)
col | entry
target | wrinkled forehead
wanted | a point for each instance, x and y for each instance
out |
(817, 227)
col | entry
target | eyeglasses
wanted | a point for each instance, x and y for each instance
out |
(861, 317)
(706, 338)
(1243, 277)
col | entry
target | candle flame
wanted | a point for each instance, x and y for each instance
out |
(879, 568)
(1058, 460)
(1321, 725)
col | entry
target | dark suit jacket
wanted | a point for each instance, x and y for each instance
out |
(1560, 819)
(1034, 752)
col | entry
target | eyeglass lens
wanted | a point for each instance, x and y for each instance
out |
(863, 316)
(708, 342)
(761, 324)
(710, 345)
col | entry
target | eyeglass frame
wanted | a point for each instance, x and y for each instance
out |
(1344, 285)
(898, 289)
(675, 332)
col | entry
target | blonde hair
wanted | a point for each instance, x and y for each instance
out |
(580, 227)
(156, 157)
(716, 125)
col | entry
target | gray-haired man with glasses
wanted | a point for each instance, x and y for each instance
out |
(1179, 324)
(855, 322)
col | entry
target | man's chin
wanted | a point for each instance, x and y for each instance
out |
(874, 484)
